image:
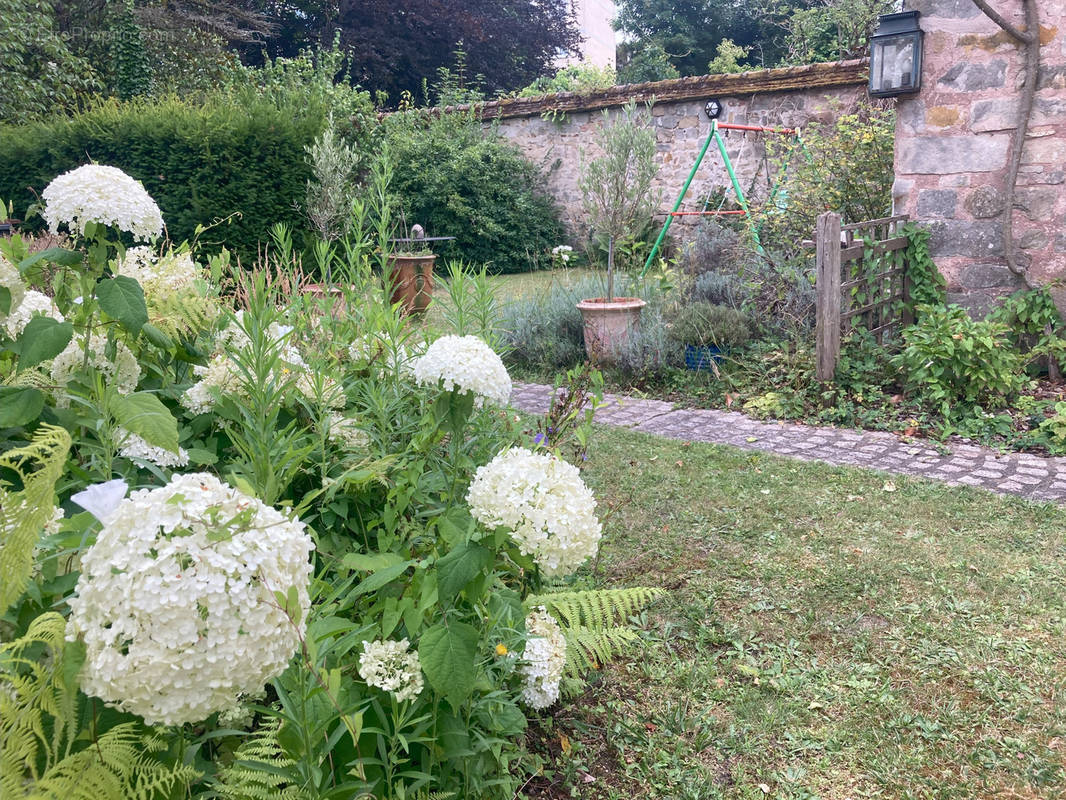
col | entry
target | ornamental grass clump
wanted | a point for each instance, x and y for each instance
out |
(545, 505)
(103, 195)
(193, 595)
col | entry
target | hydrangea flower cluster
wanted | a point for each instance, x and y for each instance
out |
(177, 599)
(221, 375)
(392, 666)
(543, 660)
(123, 372)
(562, 253)
(33, 303)
(11, 280)
(133, 446)
(159, 275)
(107, 195)
(465, 364)
(545, 504)
(346, 432)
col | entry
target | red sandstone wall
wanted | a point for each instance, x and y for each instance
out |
(953, 141)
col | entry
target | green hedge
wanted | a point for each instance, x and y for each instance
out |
(200, 162)
(459, 180)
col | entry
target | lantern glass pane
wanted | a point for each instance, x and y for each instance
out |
(894, 68)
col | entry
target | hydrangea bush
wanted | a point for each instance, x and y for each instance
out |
(177, 599)
(308, 516)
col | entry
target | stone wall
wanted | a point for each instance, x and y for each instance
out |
(789, 97)
(953, 142)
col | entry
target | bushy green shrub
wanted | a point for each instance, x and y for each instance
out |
(575, 78)
(239, 150)
(456, 179)
(547, 330)
(708, 324)
(948, 358)
(845, 167)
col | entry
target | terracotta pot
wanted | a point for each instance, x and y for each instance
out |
(609, 326)
(411, 281)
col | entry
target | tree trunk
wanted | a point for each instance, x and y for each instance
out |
(610, 268)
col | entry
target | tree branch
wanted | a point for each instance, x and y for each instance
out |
(1017, 34)
(1030, 40)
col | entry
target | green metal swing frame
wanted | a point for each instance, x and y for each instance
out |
(716, 137)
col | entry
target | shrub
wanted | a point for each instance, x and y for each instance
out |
(400, 656)
(707, 324)
(575, 78)
(948, 357)
(844, 167)
(458, 180)
(547, 331)
(238, 150)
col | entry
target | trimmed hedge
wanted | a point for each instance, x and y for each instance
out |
(201, 163)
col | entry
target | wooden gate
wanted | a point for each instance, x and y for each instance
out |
(861, 283)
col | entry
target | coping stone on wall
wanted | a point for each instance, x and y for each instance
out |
(802, 78)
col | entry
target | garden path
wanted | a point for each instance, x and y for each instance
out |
(1023, 474)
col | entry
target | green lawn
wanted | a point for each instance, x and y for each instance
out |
(525, 285)
(829, 633)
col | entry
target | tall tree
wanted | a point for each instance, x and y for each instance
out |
(396, 44)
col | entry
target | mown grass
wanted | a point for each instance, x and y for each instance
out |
(829, 633)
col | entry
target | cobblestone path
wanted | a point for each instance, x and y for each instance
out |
(1033, 477)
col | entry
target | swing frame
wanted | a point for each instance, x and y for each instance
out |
(742, 201)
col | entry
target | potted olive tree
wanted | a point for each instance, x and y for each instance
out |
(617, 194)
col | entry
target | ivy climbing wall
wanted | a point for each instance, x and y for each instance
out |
(953, 144)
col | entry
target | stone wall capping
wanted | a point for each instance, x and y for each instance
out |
(702, 87)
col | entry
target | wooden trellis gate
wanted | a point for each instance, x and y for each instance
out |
(861, 283)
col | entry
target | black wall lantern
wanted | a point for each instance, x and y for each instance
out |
(896, 55)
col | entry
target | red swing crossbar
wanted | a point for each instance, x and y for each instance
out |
(725, 126)
(704, 213)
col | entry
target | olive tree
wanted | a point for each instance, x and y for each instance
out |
(616, 185)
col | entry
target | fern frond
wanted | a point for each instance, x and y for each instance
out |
(29, 377)
(597, 608)
(588, 648)
(182, 314)
(43, 754)
(259, 768)
(25, 511)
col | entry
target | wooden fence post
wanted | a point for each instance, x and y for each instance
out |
(827, 287)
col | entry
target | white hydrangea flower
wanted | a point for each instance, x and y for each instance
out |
(392, 666)
(542, 660)
(107, 195)
(11, 280)
(467, 364)
(222, 377)
(219, 377)
(33, 303)
(51, 528)
(123, 372)
(545, 504)
(133, 446)
(177, 600)
(346, 432)
(562, 252)
(159, 275)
